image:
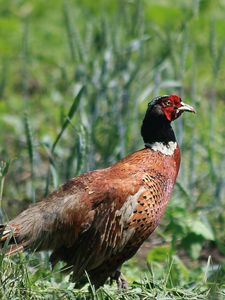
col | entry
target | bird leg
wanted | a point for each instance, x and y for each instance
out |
(122, 284)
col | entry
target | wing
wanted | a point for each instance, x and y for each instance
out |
(60, 220)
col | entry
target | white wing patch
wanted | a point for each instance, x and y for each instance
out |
(129, 206)
(166, 149)
(126, 213)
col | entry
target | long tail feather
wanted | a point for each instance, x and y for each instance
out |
(8, 244)
(4, 233)
(14, 249)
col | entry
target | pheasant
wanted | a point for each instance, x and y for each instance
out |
(96, 221)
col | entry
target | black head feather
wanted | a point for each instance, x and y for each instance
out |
(155, 126)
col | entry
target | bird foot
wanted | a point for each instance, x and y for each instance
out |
(122, 284)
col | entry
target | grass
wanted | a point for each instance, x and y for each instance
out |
(34, 280)
(72, 97)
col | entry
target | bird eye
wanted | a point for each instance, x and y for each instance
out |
(167, 103)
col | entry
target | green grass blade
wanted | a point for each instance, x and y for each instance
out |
(30, 147)
(69, 116)
(4, 167)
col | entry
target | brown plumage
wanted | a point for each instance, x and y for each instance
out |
(97, 220)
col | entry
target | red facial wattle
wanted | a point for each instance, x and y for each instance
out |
(175, 107)
(171, 111)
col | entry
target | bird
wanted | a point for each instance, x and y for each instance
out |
(96, 221)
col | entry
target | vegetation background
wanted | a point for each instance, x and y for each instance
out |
(75, 79)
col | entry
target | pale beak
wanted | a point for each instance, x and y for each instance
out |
(186, 107)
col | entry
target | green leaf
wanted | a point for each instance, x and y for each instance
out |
(195, 250)
(4, 167)
(181, 266)
(202, 229)
(158, 254)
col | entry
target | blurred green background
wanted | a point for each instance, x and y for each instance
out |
(75, 80)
